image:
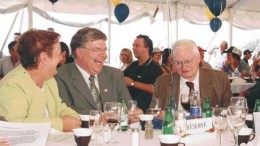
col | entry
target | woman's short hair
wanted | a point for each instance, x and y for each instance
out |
(32, 43)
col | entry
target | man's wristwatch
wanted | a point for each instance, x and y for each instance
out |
(132, 84)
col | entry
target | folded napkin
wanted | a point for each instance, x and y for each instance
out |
(238, 80)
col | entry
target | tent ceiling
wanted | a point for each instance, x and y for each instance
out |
(244, 13)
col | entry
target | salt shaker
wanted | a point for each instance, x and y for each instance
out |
(135, 137)
(148, 130)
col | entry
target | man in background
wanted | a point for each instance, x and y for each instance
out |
(7, 63)
(203, 63)
(141, 75)
(157, 55)
(247, 55)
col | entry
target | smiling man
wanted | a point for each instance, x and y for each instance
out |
(209, 83)
(87, 83)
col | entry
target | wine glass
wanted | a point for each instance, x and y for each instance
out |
(112, 113)
(131, 107)
(95, 123)
(236, 117)
(185, 101)
(156, 108)
(238, 101)
(219, 120)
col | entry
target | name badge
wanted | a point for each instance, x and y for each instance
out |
(198, 125)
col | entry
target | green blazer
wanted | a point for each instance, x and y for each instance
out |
(213, 84)
(22, 101)
(75, 92)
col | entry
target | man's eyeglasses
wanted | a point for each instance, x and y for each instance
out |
(96, 50)
(182, 63)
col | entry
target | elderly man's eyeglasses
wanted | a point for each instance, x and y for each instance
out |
(182, 63)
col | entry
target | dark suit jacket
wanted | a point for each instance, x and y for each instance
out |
(75, 92)
(213, 84)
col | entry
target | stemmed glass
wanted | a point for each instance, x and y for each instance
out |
(185, 101)
(156, 108)
(95, 123)
(112, 113)
(236, 118)
(131, 107)
(238, 101)
(219, 120)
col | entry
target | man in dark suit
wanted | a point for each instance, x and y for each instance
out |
(89, 50)
(208, 83)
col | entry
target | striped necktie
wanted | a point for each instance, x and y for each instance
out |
(191, 87)
(94, 92)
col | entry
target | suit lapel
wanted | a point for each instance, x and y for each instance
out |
(81, 85)
(205, 85)
(105, 86)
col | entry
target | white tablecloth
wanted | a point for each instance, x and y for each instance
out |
(124, 139)
(238, 87)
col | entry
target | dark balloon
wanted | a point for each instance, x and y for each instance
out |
(215, 24)
(53, 1)
(121, 12)
(206, 2)
(216, 6)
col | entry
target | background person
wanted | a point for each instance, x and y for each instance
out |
(7, 63)
(142, 73)
(166, 61)
(29, 92)
(247, 55)
(203, 63)
(65, 53)
(126, 58)
(157, 55)
(236, 62)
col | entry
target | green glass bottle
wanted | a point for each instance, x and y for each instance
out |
(257, 105)
(123, 115)
(207, 112)
(168, 121)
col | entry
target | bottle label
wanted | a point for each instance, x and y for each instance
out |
(124, 120)
(195, 112)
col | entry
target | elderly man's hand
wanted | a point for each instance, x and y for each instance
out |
(161, 115)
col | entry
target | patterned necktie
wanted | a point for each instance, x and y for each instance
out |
(191, 86)
(94, 92)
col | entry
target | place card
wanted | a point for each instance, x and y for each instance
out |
(198, 125)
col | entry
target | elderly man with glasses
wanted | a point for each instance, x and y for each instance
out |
(207, 83)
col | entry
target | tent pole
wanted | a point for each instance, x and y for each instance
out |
(177, 22)
(21, 21)
(109, 31)
(30, 10)
(230, 35)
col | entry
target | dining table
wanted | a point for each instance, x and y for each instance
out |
(57, 138)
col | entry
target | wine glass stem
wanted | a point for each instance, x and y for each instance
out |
(236, 138)
(220, 135)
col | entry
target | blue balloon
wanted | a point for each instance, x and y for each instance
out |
(121, 12)
(207, 2)
(215, 24)
(216, 6)
(53, 1)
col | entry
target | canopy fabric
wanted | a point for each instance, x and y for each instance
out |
(244, 14)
